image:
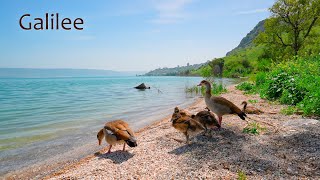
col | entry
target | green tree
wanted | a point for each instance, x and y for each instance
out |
(217, 66)
(290, 25)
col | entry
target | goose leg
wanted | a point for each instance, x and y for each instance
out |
(109, 149)
(220, 120)
(205, 131)
(124, 147)
(187, 137)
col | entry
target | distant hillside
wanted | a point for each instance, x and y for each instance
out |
(176, 71)
(248, 39)
(47, 73)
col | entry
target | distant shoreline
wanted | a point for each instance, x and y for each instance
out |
(61, 72)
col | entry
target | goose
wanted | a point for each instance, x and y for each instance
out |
(185, 123)
(220, 105)
(182, 112)
(117, 132)
(207, 119)
(250, 109)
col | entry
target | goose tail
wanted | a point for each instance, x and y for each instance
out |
(242, 115)
(132, 142)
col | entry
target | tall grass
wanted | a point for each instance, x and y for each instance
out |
(216, 89)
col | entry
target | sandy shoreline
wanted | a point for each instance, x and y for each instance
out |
(288, 148)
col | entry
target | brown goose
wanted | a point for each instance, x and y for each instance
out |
(117, 132)
(220, 105)
(182, 112)
(207, 119)
(185, 123)
(250, 109)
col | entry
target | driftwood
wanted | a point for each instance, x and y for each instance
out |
(142, 86)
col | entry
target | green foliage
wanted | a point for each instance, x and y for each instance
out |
(204, 71)
(295, 82)
(291, 28)
(245, 86)
(247, 41)
(288, 110)
(253, 128)
(217, 66)
(193, 90)
(245, 62)
(241, 175)
(187, 70)
(252, 101)
(216, 89)
(260, 78)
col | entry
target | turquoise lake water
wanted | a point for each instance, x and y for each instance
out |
(44, 118)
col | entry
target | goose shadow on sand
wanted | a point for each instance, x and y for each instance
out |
(117, 157)
(277, 156)
(225, 136)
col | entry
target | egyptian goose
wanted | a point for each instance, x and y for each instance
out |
(117, 132)
(220, 105)
(207, 119)
(185, 124)
(250, 109)
(182, 112)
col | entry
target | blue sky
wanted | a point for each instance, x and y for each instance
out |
(127, 35)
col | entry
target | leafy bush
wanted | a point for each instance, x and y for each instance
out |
(288, 110)
(261, 78)
(294, 82)
(204, 71)
(245, 86)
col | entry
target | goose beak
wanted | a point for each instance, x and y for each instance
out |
(99, 142)
(199, 84)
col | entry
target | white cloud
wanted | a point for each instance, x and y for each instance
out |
(170, 11)
(254, 11)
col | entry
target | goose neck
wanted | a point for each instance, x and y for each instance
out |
(208, 90)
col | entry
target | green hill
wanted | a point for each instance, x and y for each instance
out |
(248, 39)
(176, 71)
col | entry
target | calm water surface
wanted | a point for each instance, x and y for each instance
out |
(45, 118)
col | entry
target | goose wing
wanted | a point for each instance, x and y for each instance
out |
(228, 104)
(120, 129)
(194, 125)
(208, 117)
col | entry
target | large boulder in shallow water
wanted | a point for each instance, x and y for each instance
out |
(142, 86)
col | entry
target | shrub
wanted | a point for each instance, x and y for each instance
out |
(245, 86)
(288, 110)
(294, 82)
(261, 78)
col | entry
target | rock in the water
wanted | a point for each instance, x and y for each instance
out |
(142, 86)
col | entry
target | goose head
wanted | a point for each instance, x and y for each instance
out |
(176, 114)
(100, 136)
(132, 142)
(205, 83)
(244, 103)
